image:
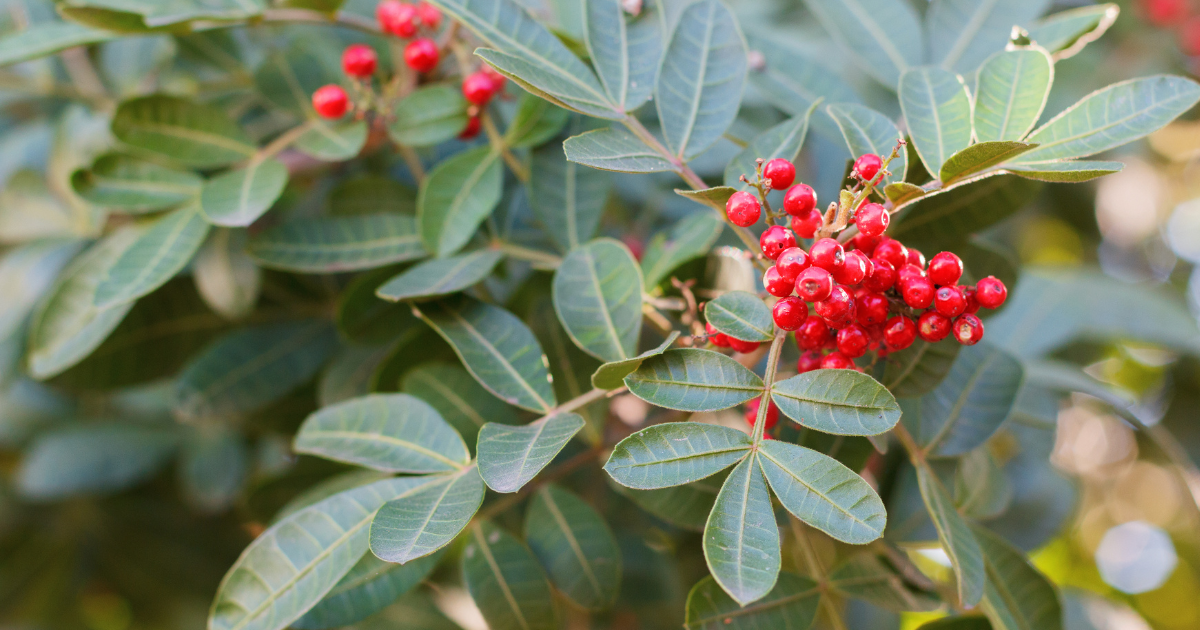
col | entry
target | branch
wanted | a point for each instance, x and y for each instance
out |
(764, 403)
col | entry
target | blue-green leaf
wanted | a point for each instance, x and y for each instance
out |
(441, 276)
(597, 294)
(160, 252)
(1017, 596)
(882, 36)
(91, 459)
(369, 587)
(956, 538)
(690, 238)
(675, 453)
(506, 582)
(458, 397)
(791, 605)
(842, 402)
(1067, 32)
(741, 315)
(781, 141)
(1011, 91)
(962, 33)
(625, 55)
(575, 545)
(511, 456)
(615, 149)
(429, 116)
(239, 197)
(694, 380)
(341, 243)
(427, 518)
(741, 539)
(181, 130)
(868, 131)
(937, 108)
(612, 375)
(456, 197)
(566, 198)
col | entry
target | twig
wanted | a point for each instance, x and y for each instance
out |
(283, 141)
(769, 378)
(540, 259)
(412, 161)
(516, 166)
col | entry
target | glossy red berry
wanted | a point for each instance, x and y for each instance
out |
(990, 292)
(774, 240)
(359, 61)
(836, 361)
(799, 201)
(806, 226)
(915, 257)
(814, 284)
(331, 101)
(866, 244)
(781, 173)
(899, 332)
(751, 414)
(431, 17)
(854, 270)
(716, 337)
(478, 88)
(892, 251)
(949, 301)
(421, 55)
(872, 219)
(743, 209)
(932, 326)
(813, 334)
(838, 309)
(827, 254)
(852, 341)
(1165, 12)
(791, 262)
(867, 166)
(495, 76)
(917, 292)
(397, 18)
(810, 360)
(968, 330)
(872, 309)
(909, 271)
(474, 125)
(742, 346)
(789, 313)
(883, 276)
(968, 292)
(945, 269)
(776, 284)
(1189, 36)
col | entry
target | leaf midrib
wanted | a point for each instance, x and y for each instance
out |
(576, 548)
(495, 352)
(354, 436)
(195, 135)
(486, 550)
(815, 491)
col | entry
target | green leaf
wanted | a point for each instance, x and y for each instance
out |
(969, 405)
(30, 210)
(883, 37)
(363, 318)
(842, 402)
(675, 453)
(423, 521)
(946, 219)
(566, 198)
(741, 315)
(918, 369)
(92, 459)
(372, 194)
(160, 252)
(715, 197)
(741, 539)
(252, 367)
(531, 55)
(625, 56)
(868, 131)
(694, 380)
(1011, 90)
(1017, 595)
(958, 622)
(980, 157)
(685, 506)
(130, 185)
(441, 276)
(937, 108)
(510, 456)
(183, 131)
(614, 149)
(156, 14)
(901, 193)
(333, 142)
(793, 79)
(496, 348)
(460, 399)
(598, 298)
(981, 488)
(781, 141)
(822, 492)
(1113, 116)
(239, 197)
(456, 197)
(570, 367)
(700, 81)
(388, 432)
(535, 122)
(369, 587)
(47, 38)
(612, 375)
(506, 582)
(212, 468)
(791, 605)
(1071, 172)
(1066, 33)
(956, 538)
(690, 238)
(225, 275)
(27, 272)
(287, 78)
(296, 561)
(429, 116)
(962, 33)
(864, 576)
(575, 546)
(332, 244)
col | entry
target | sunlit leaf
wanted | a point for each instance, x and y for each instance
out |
(1011, 90)
(883, 37)
(962, 33)
(429, 518)
(979, 157)
(937, 108)
(868, 131)
(612, 375)
(1073, 172)
(781, 141)
(1066, 33)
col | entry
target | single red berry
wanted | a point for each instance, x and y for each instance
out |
(331, 101)
(359, 61)
(1165, 12)
(916, 258)
(742, 346)
(1189, 35)
(968, 292)
(776, 284)
(813, 334)
(827, 254)
(431, 17)
(397, 18)
(945, 269)
(867, 166)
(909, 271)
(872, 309)
(814, 284)
(474, 125)
(716, 337)
(774, 240)
(892, 251)
(990, 292)
(949, 301)
(789, 313)
(495, 76)
(809, 361)
(781, 173)
(852, 341)
(478, 88)
(933, 326)
(791, 262)
(838, 309)
(799, 200)
(917, 292)
(421, 54)
(866, 244)
(836, 361)
(872, 219)
(968, 330)
(883, 276)
(899, 332)
(854, 270)
(743, 209)
(806, 225)
(751, 414)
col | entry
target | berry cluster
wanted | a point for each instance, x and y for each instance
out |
(404, 21)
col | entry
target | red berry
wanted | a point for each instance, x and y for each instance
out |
(852, 341)
(789, 313)
(752, 414)
(933, 326)
(866, 244)
(827, 254)
(813, 333)
(883, 276)
(359, 61)
(872, 219)
(949, 301)
(744, 347)
(495, 76)
(776, 284)
(909, 271)
(716, 337)
(781, 173)
(899, 332)
(968, 292)
(856, 268)
(1165, 12)
(331, 101)
(397, 18)
(743, 209)
(809, 361)
(892, 251)
(421, 55)
(1189, 35)
(916, 258)
(838, 309)
(917, 292)
(990, 292)
(478, 88)
(791, 262)
(867, 166)
(945, 269)
(474, 125)
(872, 309)
(836, 361)
(806, 225)
(431, 17)
(968, 330)
(799, 200)
(774, 240)
(814, 284)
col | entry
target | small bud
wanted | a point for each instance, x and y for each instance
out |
(756, 60)
(632, 7)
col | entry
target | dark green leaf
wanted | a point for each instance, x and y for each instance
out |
(614, 149)
(715, 197)
(239, 197)
(181, 130)
(1017, 596)
(505, 581)
(427, 518)
(883, 37)
(943, 220)
(331, 244)
(962, 33)
(93, 459)
(127, 184)
(868, 131)
(981, 488)
(535, 122)
(566, 198)
(288, 78)
(956, 538)
(793, 79)
(675, 453)
(598, 298)
(1071, 172)
(843, 402)
(900, 193)
(441, 276)
(918, 369)
(364, 318)
(979, 157)
(937, 108)
(160, 251)
(612, 375)
(625, 55)
(456, 197)
(225, 275)
(864, 576)
(429, 116)
(369, 587)
(575, 546)
(510, 456)
(1011, 90)
(781, 141)
(372, 194)
(741, 315)
(460, 399)
(47, 38)
(691, 237)
(957, 622)
(741, 539)
(212, 468)
(333, 142)
(685, 506)
(791, 605)
(694, 380)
